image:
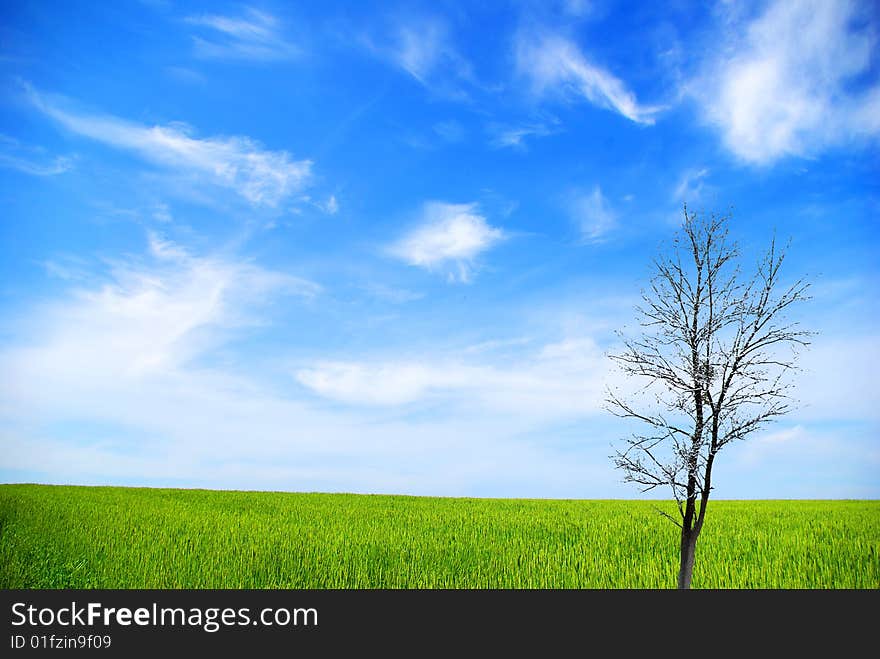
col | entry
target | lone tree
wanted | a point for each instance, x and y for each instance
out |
(713, 354)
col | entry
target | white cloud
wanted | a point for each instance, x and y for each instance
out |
(593, 214)
(417, 52)
(777, 440)
(560, 380)
(31, 160)
(53, 167)
(161, 213)
(137, 380)
(373, 384)
(690, 186)
(66, 267)
(514, 136)
(553, 63)
(114, 379)
(165, 250)
(262, 177)
(788, 83)
(422, 47)
(329, 206)
(391, 293)
(256, 35)
(448, 234)
(155, 316)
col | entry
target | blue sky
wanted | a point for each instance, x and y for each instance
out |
(384, 247)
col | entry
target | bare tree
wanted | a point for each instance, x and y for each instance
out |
(714, 352)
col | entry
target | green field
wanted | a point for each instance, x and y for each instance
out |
(102, 537)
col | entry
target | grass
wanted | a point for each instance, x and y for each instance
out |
(105, 537)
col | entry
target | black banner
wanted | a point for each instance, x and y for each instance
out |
(540, 622)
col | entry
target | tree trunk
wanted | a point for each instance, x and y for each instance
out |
(686, 566)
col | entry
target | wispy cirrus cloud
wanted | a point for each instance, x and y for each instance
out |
(31, 160)
(241, 164)
(392, 294)
(133, 377)
(153, 314)
(448, 236)
(424, 48)
(792, 81)
(691, 185)
(554, 63)
(331, 206)
(253, 35)
(564, 379)
(592, 213)
(515, 137)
